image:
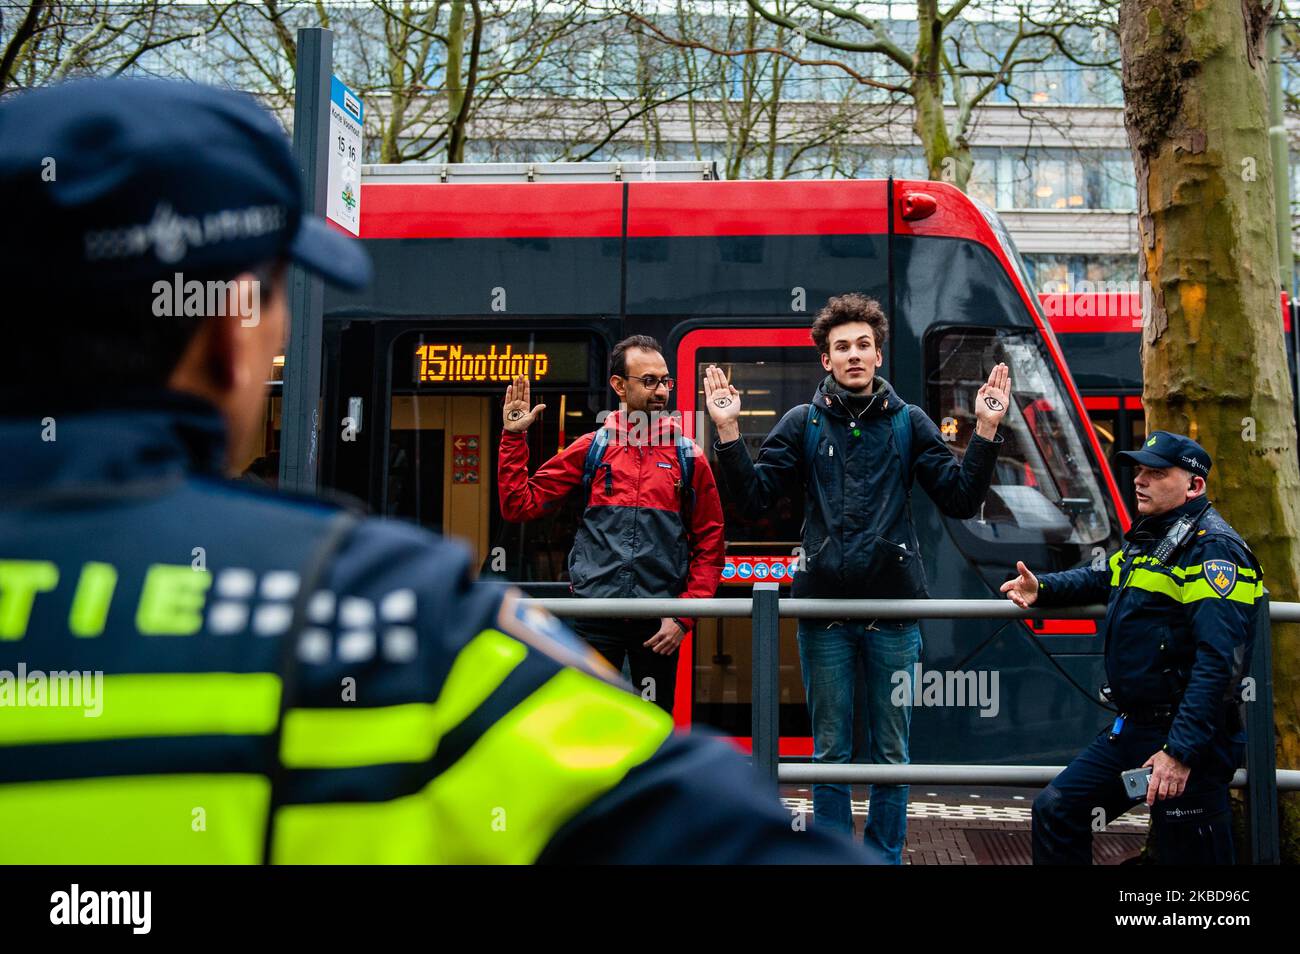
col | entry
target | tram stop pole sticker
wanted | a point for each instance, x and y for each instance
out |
(343, 189)
(465, 459)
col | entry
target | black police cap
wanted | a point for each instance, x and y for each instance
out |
(1164, 449)
(109, 182)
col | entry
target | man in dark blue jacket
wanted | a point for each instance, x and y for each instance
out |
(1180, 623)
(856, 449)
(195, 670)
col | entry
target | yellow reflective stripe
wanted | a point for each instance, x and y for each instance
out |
(347, 738)
(1180, 572)
(1193, 590)
(1155, 582)
(565, 745)
(396, 832)
(141, 705)
(1242, 592)
(1186, 571)
(479, 668)
(152, 819)
(340, 738)
(1114, 567)
(550, 757)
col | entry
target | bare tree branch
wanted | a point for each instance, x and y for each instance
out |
(26, 30)
(774, 51)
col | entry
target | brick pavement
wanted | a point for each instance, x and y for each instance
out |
(950, 830)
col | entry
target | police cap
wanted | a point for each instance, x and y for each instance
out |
(1163, 449)
(111, 182)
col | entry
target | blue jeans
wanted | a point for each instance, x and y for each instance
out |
(831, 658)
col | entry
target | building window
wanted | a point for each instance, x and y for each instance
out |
(1063, 273)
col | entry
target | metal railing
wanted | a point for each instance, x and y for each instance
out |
(1261, 779)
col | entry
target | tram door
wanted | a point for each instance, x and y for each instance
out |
(774, 369)
(438, 466)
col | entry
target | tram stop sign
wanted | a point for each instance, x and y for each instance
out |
(343, 188)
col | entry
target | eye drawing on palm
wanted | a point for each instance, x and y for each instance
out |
(994, 404)
(515, 415)
(722, 402)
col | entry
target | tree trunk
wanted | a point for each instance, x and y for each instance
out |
(462, 93)
(455, 88)
(943, 161)
(1213, 357)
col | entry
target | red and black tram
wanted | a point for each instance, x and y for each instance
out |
(477, 280)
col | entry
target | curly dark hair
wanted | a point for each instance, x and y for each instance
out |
(845, 309)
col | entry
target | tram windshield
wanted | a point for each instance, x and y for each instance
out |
(1047, 489)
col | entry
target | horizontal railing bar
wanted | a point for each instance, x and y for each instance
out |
(579, 608)
(582, 608)
(1288, 780)
(928, 609)
(821, 772)
(1284, 612)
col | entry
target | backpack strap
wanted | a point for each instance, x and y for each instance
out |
(901, 422)
(686, 464)
(812, 431)
(313, 575)
(595, 454)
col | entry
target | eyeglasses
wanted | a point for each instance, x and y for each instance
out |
(651, 383)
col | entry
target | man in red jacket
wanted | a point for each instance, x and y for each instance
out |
(653, 520)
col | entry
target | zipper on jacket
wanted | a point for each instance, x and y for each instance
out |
(857, 428)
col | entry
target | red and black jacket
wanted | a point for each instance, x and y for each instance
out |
(633, 541)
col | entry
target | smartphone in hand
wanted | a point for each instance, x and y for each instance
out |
(1136, 781)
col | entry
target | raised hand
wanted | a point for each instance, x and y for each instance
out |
(516, 415)
(723, 402)
(992, 401)
(1023, 590)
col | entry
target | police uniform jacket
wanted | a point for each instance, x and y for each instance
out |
(1178, 632)
(281, 681)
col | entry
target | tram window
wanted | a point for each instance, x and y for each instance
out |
(1046, 488)
(770, 381)
(1137, 425)
(445, 431)
(259, 461)
(1106, 425)
(538, 551)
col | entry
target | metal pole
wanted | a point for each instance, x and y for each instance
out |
(765, 692)
(1261, 754)
(300, 410)
(814, 609)
(819, 773)
(1280, 148)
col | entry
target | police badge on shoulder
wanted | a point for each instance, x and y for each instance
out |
(1221, 575)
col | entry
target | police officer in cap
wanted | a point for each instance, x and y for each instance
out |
(259, 676)
(1181, 601)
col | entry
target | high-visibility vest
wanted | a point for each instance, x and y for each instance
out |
(195, 754)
